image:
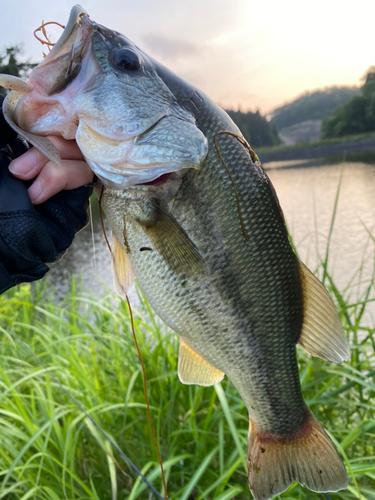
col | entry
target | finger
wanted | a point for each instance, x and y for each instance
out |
(68, 149)
(52, 179)
(30, 164)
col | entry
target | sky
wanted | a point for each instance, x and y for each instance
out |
(244, 54)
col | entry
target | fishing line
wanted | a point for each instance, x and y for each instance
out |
(42, 28)
(93, 421)
(147, 403)
(254, 157)
(327, 496)
(140, 358)
(92, 236)
(101, 219)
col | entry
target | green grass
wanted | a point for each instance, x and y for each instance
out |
(333, 140)
(50, 450)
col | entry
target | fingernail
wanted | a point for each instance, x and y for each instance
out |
(35, 190)
(23, 164)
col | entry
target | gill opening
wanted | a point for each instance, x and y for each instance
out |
(254, 157)
(140, 358)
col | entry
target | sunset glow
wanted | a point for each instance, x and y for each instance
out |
(242, 53)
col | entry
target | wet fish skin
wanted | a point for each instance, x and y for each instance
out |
(218, 269)
(239, 312)
(243, 314)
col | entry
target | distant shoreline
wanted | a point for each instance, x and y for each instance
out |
(317, 150)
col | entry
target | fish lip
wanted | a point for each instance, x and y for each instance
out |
(73, 42)
(78, 22)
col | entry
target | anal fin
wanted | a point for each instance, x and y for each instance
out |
(322, 334)
(308, 456)
(193, 369)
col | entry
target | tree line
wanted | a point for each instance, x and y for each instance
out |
(255, 128)
(312, 105)
(357, 115)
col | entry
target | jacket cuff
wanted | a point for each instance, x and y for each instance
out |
(8, 280)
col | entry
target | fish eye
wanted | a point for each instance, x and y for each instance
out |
(126, 59)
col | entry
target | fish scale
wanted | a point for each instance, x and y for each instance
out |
(243, 291)
(209, 247)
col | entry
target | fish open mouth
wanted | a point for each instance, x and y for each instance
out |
(47, 105)
(63, 63)
(159, 180)
(97, 87)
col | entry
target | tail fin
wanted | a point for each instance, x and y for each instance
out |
(308, 456)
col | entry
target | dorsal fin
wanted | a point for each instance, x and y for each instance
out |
(193, 369)
(322, 334)
(122, 270)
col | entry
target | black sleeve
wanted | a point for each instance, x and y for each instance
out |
(31, 235)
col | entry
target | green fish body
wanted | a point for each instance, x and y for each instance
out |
(196, 220)
(234, 296)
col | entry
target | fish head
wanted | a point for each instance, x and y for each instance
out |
(98, 87)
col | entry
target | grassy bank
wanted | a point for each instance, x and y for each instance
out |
(334, 140)
(50, 450)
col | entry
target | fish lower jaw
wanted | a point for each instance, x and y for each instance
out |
(127, 176)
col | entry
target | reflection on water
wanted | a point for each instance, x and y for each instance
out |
(307, 194)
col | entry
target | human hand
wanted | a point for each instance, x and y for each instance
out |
(49, 178)
(31, 235)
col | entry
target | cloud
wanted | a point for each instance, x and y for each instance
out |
(170, 48)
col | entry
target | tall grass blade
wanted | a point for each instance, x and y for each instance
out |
(198, 474)
(224, 404)
(75, 401)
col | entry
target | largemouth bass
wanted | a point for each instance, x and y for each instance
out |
(197, 221)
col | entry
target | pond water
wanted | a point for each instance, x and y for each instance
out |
(307, 193)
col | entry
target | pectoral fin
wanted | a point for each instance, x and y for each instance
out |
(172, 242)
(122, 270)
(322, 334)
(44, 145)
(193, 369)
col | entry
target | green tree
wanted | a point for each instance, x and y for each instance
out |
(314, 105)
(255, 128)
(11, 65)
(357, 115)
